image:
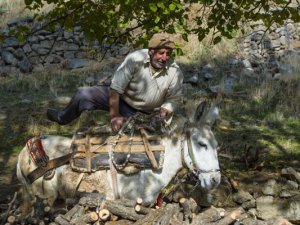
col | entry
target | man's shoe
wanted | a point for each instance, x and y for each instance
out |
(52, 114)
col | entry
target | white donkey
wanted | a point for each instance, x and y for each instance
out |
(194, 146)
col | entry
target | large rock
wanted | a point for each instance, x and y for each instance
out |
(291, 174)
(11, 42)
(242, 196)
(269, 207)
(271, 188)
(8, 57)
(77, 63)
(8, 70)
(46, 44)
(19, 53)
(39, 50)
(25, 66)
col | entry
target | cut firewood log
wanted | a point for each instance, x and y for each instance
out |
(211, 214)
(42, 223)
(11, 219)
(70, 202)
(126, 202)
(47, 209)
(159, 216)
(86, 218)
(53, 223)
(169, 212)
(194, 206)
(119, 222)
(114, 217)
(104, 215)
(187, 208)
(231, 217)
(91, 201)
(139, 201)
(142, 210)
(99, 195)
(119, 210)
(57, 211)
(151, 217)
(61, 221)
(77, 209)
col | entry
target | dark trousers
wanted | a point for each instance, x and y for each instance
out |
(91, 98)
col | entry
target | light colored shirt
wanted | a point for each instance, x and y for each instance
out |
(143, 90)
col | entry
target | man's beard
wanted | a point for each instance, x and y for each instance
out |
(156, 64)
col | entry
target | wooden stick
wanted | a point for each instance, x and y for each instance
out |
(10, 206)
(148, 149)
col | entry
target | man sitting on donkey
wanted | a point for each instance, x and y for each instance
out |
(146, 81)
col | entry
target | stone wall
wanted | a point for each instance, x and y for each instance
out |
(45, 49)
(271, 48)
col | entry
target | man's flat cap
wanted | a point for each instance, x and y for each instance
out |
(161, 40)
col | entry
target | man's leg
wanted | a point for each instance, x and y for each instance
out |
(87, 98)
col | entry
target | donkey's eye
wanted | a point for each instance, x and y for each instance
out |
(201, 144)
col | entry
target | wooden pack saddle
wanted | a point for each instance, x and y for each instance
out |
(129, 153)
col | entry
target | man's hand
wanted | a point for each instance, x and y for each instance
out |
(117, 123)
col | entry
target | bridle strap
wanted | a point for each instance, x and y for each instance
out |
(186, 134)
(190, 147)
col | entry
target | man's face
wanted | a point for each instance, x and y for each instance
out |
(159, 57)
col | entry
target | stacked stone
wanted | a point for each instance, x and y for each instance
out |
(44, 49)
(268, 47)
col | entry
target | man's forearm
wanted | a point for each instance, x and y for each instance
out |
(114, 99)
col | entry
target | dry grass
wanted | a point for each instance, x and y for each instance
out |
(12, 9)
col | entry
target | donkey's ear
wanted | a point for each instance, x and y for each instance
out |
(212, 115)
(200, 111)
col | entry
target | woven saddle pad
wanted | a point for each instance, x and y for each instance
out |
(129, 153)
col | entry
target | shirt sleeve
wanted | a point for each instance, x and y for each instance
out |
(174, 93)
(123, 75)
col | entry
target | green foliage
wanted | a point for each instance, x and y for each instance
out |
(135, 21)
